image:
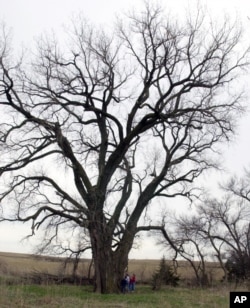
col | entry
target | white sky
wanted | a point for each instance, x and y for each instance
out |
(30, 18)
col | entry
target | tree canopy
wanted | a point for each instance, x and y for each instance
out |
(93, 131)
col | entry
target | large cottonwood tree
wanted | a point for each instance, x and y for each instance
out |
(92, 132)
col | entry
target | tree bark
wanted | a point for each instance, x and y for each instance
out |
(109, 265)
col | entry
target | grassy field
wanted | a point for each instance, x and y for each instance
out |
(74, 296)
(16, 292)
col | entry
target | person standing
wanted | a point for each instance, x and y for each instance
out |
(132, 283)
(123, 285)
(127, 282)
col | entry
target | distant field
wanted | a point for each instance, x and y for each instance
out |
(24, 264)
(21, 264)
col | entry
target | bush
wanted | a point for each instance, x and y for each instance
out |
(238, 267)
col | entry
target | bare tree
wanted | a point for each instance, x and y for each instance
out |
(185, 237)
(219, 229)
(230, 219)
(81, 128)
(239, 187)
(213, 231)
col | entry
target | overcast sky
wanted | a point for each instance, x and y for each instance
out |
(29, 18)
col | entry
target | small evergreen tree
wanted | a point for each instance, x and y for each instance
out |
(164, 275)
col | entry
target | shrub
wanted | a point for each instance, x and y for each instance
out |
(164, 275)
(238, 267)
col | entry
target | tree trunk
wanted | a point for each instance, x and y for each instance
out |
(109, 270)
(109, 265)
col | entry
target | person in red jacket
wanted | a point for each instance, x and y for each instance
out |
(132, 283)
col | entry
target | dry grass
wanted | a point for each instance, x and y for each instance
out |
(24, 264)
(145, 268)
(21, 264)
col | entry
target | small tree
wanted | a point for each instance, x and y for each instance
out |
(164, 275)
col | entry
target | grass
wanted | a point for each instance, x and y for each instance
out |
(74, 296)
(16, 292)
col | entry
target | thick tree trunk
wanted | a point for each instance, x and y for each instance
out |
(109, 270)
(109, 265)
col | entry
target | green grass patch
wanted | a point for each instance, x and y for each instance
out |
(76, 296)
